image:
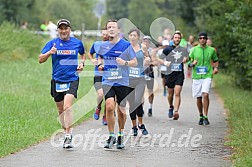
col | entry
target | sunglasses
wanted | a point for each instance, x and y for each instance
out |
(203, 38)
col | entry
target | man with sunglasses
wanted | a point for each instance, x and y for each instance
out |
(201, 58)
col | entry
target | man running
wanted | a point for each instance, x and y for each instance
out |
(174, 56)
(98, 77)
(149, 74)
(117, 55)
(201, 57)
(64, 51)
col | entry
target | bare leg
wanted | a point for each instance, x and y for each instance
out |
(68, 100)
(60, 107)
(110, 107)
(170, 96)
(200, 105)
(99, 97)
(121, 117)
(177, 91)
(205, 103)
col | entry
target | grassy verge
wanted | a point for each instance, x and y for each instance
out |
(239, 104)
(27, 112)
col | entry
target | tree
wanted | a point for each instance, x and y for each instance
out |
(240, 26)
(15, 10)
(117, 9)
(77, 12)
(143, 14)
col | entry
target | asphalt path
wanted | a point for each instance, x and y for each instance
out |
(172, 143)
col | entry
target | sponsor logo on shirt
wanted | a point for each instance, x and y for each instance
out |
(66, 52)
(120, 52)
(109, 58)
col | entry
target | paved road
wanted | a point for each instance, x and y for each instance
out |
(170, 143)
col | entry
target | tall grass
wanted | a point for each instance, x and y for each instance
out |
(16, 44)
(239, 104)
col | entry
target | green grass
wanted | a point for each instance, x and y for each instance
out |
(239, 104)
(16, 44)
(27, 111)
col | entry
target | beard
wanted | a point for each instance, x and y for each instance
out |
(176, 43)
(110, 38)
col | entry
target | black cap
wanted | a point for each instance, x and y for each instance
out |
(63, 21)
(204, 34)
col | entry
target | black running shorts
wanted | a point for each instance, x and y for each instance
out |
(59, 96)
(120, 92)
(172, 80)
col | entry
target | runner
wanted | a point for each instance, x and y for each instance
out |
(163, 68)
(98, 77)
(174, 57)
(201, 57)
(149, 74)
(137, 82)
(64, 51)
(118, 55)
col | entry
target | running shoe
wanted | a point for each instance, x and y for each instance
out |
(110, 142)
(143, 129)
(120, 144)
(67, 141)
(201, 120)
(134, 131)
(104, 120)
(205, 120)
(170, 113)
(175, 115)
(150, 112)
(97, 113)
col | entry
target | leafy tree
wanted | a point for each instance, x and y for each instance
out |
(77, 12)
(240, 26)
(36, 11)
(117, 9)
(142, 14)
(15, 10)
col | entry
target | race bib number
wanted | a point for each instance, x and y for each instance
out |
(114, 73)
(201, 70)
(176, 67)
(163, 68)
(62, 87)
(134, 72)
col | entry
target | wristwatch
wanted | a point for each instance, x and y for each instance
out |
(126, 63)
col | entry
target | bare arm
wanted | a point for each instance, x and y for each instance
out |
(82, 63)
(93, 60)
(100, 64)
(215, 64)
(132, 62)
(43, 57)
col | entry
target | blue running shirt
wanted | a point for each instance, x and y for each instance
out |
(94, 50)
(65, 61)
(138, 71)
(114, 74)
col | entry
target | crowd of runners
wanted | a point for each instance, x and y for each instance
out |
(124, 70)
